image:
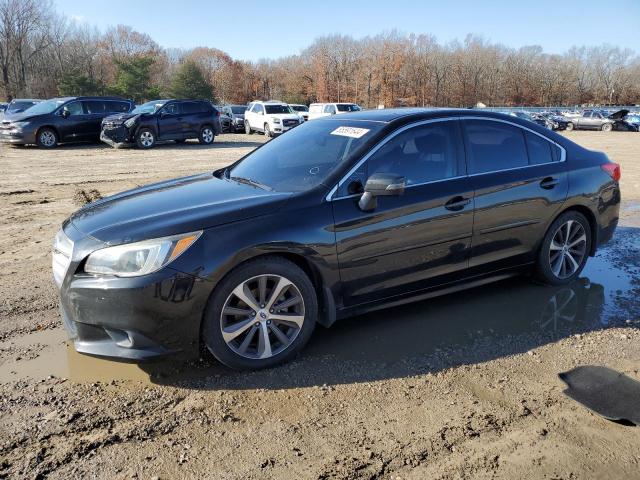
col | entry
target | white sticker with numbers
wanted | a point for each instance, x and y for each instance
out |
(352, 132)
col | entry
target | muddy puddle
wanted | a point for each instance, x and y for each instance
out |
(472, 326)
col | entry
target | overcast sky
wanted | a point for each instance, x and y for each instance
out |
(249, 30)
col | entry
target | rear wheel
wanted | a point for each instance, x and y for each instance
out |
(145, 138)
(565, 249)
(606, 127)
(261, 314)
(206, 136)
(47, 138)
(570, 126)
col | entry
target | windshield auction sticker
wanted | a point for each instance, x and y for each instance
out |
(352, 132)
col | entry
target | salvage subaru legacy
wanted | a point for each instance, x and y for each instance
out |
(340, 216)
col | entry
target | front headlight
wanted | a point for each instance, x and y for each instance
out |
(140, 258)
(19, 125)
(276, 120)
(130, 122)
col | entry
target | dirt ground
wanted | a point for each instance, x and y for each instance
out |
(455, 387)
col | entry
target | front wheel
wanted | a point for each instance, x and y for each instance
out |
(206, 135)
(145, 138)
(247, 128)
(570, 126)
(565, 249)
(607, 127)
(262, 314)
(267, 131)
(47, 138)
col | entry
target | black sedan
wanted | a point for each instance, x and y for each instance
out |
(341, 216)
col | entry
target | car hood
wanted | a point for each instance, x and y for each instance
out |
(172, 207)
(238, 115)
(19, 117)
(119, 117)
(619, 115)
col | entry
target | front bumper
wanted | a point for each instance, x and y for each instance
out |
(132, 319)
(281, 128)
(15, 137)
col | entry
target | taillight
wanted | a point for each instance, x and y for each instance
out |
(613, 169)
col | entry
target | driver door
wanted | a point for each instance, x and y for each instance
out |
(415, 240)
(170, 122)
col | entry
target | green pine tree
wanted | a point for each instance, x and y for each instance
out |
(190, 82)
(74, 83)
(133, 79)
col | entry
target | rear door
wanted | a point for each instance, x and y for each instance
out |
(412, 241)
(170, 123)
(520, 183)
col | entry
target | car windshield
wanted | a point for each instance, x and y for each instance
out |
(348, 107)
(277, 108)
(238, 110)
(299, 108)
(303, 158)
(46, 107)
(149, 107)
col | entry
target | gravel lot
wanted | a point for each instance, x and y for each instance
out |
(455, 387)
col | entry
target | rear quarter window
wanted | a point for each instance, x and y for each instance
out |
(539, 149)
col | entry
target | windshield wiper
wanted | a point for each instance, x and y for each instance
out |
(254, 183)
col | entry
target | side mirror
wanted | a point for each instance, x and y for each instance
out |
(380, 184)
(65, 113)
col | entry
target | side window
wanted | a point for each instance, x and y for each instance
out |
(494, 146)
(259, 108)
(539, 149)
(424, 153)
(172, 108)
(190, 108)
(329, 109)
(93, 107)
(74, 108)
(116, 107)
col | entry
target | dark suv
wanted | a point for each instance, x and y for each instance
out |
(61, 120)
(161, 120)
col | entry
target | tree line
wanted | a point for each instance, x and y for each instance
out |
(44, 54)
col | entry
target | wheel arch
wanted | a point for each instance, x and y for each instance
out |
(591, 218)
(50, 127)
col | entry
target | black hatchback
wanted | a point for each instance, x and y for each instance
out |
(341, 216)
(161, 120)
(61, 120)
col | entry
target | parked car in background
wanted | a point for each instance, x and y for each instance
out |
(3, 107)
(162, 120)
(270, 117)
(591, 120)
(535, 118)
(342, 216)
(232, 118)
(61, 120)
(318, 110)
(558, 122)
(301, 110)
(18, 105)
(625, 121)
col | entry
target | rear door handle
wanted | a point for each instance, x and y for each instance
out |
(549, 182)
(457, 203)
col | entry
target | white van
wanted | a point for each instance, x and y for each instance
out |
(317, 110)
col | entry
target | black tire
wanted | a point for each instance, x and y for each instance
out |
(207, 135)
(570, 126)
(247, 128)
(267, 131)
(47, 138)
(212, 322)
(544, 270)
(145, 138)
(606, 127)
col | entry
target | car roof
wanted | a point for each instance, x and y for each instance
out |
(66, 99)
(26, 100)
(411, 114)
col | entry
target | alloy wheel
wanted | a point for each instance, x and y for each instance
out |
(262, 316)
(568, 249)
(146, 139)
(47, 138)
(207, 135)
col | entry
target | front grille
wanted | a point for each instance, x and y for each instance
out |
(290, 123)
(61, 257)
(6, 127)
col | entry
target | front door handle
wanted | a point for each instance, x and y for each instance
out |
(549, 182)
(457, 203)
